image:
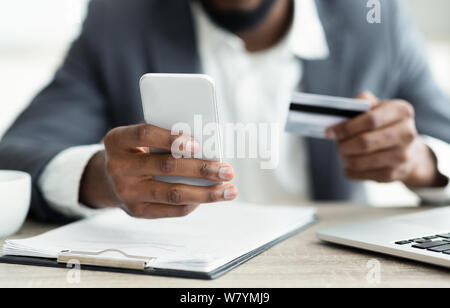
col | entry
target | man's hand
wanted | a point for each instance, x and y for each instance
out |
(122, 175)
(383, 145)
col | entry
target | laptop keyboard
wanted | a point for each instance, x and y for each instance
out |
(439, 243)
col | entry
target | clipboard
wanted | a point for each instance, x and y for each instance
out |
(138, 265)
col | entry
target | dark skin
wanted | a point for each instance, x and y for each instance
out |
(381, 145)
(122, 175)
(271, 30)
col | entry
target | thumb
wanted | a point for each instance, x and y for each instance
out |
(369, 97)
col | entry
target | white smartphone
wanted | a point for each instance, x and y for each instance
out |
(184, 103)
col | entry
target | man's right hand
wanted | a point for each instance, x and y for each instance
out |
(123, 175)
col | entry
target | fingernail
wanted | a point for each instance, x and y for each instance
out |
(192, 146)
(330, 134)
(230, 193)
(226, 173)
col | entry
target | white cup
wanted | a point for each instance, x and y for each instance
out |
(15, 196)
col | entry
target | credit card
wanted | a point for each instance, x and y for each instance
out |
(311, 114)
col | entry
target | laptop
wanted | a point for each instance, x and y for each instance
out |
(423, 237)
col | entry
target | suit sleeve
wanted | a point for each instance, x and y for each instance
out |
(411, 71)
(70, 111)
(417, 85)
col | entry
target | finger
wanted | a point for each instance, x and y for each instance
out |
(379, 160)
(179, 194)
(386, 175)
(369, 97)
(382, 115)
(167, 165)
(146, 135)
(155, 210)
(333, 130)
(397, 135)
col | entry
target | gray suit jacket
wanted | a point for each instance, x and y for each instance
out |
(96, 88)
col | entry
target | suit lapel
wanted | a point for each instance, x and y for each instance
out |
(173, 44)
(326, 77)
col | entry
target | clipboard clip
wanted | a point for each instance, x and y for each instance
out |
(112, 258)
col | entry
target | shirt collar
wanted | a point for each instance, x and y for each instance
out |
(305, 39)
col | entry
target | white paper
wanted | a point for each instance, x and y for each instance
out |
(212, 236)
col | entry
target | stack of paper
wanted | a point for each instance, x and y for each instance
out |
(209, 238)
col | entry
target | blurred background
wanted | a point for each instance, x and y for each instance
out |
(35, 34)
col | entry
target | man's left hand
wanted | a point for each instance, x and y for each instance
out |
(383, 145)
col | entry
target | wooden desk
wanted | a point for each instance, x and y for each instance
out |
(301, 261)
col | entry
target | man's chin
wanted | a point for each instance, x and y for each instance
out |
(237, 19)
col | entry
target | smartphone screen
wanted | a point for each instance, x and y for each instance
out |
(184, 103)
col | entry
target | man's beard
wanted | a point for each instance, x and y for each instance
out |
(238, 20)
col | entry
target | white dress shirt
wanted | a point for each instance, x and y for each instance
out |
(251, 88)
